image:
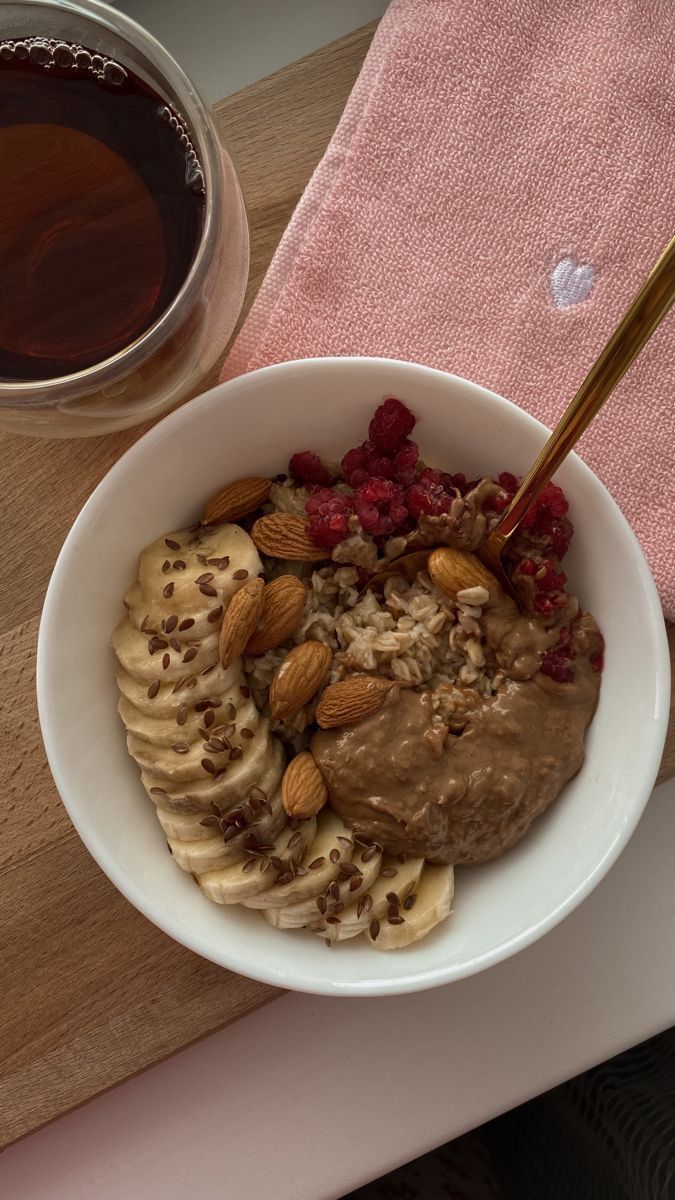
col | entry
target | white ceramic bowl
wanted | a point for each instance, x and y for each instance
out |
(250, 426)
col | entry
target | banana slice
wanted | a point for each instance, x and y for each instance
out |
(210, 853)
(190, 690)
(394, 877)
(160, 732)
(165, 730)
(183, 762)
(331, 848)
(196, 795)
(187, 827)
(232, 885)
(143, 656)
(306, 912)
(206, 613)
(433, 899)
(203, 552)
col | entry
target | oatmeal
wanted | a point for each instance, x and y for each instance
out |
(332, 701)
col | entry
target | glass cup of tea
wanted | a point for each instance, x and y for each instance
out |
(123, 235)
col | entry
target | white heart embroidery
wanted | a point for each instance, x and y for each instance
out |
(571, 282)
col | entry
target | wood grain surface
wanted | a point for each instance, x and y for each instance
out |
(91, 992)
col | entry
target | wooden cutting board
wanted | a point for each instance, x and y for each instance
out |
(91, 992)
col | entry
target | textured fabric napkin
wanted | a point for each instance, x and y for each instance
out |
(499, 185)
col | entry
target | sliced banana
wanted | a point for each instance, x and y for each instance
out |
(187, 826)
(374, 904)
(225, 790)
(185, 717)
(163, 731)
(192, 616)
(185, 721)
(144, 657)
(183, 762)
(232, 885)
(328, 849)
(210, 853)
(190, 689)
(306, 912)
(433, 900)
(187, 597)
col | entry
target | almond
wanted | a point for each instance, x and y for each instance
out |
(283, 604)
(455, 570)
(299, 677)
(241, 617)
(237, 500)
(352, 699)
(303, 791)
(284, 535)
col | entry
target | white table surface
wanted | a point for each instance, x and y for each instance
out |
(311, 1097)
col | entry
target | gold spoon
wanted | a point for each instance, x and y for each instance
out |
(644, 316)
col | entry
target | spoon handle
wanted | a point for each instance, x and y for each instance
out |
(644, 315)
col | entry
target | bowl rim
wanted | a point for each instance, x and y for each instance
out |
(415, 980)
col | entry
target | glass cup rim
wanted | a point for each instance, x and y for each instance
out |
(39, 392)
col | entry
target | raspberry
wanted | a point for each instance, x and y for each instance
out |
(554, 500)
(308, 468)
(549, 513)
(546, 524)
(543, 605)
(560, 533)
(428, 497)
(379, 506)
(553, 581)
(329, 514)
(391, 424)
(365, 462)
(556, 665)
(354, 465)
(377, 491)
(405, 462)
(548, 594)
(458, 483)
(509, 485)
(556, 662)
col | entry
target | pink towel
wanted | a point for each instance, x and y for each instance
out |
(499, 185)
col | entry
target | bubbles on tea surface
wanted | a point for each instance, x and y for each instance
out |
(39, 53)
(194, 176)
(114, 73)
(63, 55)
(48, 53)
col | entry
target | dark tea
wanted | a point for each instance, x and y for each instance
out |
(101, 207)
